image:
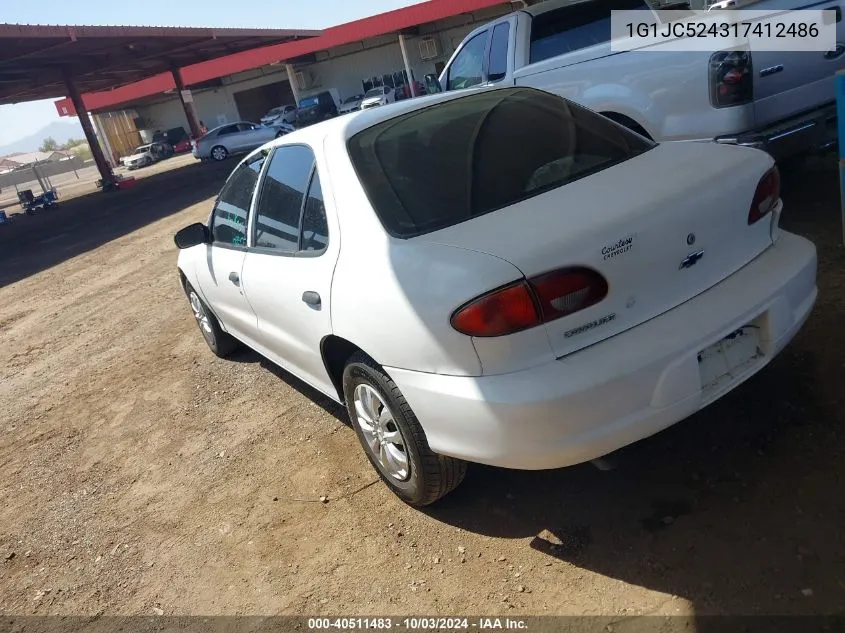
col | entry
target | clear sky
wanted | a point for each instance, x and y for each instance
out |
(19, 120)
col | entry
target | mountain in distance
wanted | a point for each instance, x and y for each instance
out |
(61, 131)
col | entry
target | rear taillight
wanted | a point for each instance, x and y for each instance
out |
(504, 311)
(766, 197)
(731, 79)
(528, 303)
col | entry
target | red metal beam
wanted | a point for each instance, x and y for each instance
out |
(390, 22)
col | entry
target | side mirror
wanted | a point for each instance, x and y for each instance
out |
(432, 84)
(192, 235)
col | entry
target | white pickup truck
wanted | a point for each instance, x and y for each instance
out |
(782, 102)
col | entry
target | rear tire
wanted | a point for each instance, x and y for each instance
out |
(218, 341)
(393, 439)
(219, 153)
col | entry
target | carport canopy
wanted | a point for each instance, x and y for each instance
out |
(41, 62)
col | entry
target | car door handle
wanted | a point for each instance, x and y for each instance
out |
(235, 278)
(311, 298)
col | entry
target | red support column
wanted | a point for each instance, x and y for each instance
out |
(187, 107)
(100, 160)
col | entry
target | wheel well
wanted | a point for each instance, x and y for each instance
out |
(183, 281)
(335, 352)
(628, 122)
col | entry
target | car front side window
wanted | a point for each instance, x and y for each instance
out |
(231, 211)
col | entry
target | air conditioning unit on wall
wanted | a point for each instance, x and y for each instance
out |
(428, 49)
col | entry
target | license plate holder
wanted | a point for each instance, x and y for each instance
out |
(726, 360)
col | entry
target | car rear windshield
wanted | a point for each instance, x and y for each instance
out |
(432, 168)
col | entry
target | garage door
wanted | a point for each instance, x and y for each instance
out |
(254, 103)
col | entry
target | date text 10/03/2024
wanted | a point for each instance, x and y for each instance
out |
(418, 624)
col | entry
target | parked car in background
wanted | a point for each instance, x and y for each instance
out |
(235, 138)
(179, 139)
(378, 97)
(530, 304)
(404, 91)
(282, 114)
(145, 155)
(779, 101)
(182, 146)
(315, 108)
(350, 104)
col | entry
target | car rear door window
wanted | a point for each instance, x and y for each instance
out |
(280, 204)
(499, 42)
(231, 211)
(468, 68)
(442, 165)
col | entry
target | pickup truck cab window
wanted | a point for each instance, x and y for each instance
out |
(467, 69)
(499, 44)
(231, 211)
(280, 205)
(575, 27)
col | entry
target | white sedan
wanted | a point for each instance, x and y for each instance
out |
(498, 277)
(378, 97)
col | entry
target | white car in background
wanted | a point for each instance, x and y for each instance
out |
(140, 157)
(350, 104)
(282, 114)
(236, 138)
(508, 291)
(378, 97)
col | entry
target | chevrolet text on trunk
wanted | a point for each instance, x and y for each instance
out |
(497, 276)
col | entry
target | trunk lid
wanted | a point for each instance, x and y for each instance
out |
(635, 223)
(788, 83)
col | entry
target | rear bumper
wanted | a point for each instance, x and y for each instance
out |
(811, 131)
(626, 388)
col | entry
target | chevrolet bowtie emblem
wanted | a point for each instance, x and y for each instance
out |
(691, 260)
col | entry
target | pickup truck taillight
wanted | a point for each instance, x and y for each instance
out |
(731, 79)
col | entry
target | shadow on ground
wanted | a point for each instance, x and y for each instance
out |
(30, 244)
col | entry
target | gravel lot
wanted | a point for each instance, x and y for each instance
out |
(139, 474)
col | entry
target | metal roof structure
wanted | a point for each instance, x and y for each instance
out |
(390, 22)
(36, 60)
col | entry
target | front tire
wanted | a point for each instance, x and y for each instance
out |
(393, 439)
(218, 341)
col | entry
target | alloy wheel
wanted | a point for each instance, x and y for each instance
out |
(382, 435)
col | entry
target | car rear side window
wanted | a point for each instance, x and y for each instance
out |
(229, 218)
(575, 27)
(315, 230)
(280, 204)
(445, 164)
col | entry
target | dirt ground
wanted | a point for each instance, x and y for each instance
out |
(139, 474)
